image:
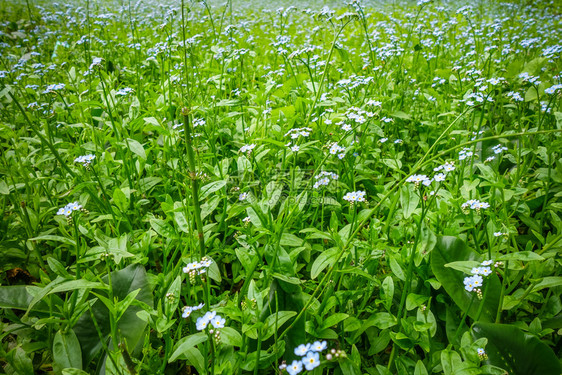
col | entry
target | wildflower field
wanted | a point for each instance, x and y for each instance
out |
(255, 187)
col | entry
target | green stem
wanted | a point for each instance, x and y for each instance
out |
(194, 180)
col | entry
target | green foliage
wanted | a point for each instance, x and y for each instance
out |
(361, 188)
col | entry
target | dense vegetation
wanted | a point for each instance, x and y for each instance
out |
(228, 188)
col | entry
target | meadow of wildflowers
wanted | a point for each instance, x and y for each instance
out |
(246, 187)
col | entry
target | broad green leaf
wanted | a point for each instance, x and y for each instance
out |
(136, 148)
(333, 319)
(186, 343)
(325, 259)
(120, 199)
(517, 352)
(18, 297)
(450, 361)
(163, 228)
(420, 368)
(451, 249)
(130, 326)
(409, 200)
(548, 282)
(210, 188)
(66, 351)
(521, 256)
(230, 336)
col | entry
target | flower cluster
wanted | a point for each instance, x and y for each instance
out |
(199, 122)
(247, 148)
(69, 209)
(336, 149)
(310, 360)
(212, 321)
(552, 89)
(187, 310)
(474, 204)
(355, 196)
(498, 149)
(474, 283)
(124, 91)
(211, 318)
(324, 178)
(298, 132)
(85, 160)
(419, 179)
(465, 153)
(197, 268)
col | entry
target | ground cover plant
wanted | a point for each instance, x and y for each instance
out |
(229, 188)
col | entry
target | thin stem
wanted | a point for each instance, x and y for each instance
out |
(194, 180)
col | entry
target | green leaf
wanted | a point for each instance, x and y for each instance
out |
(120, 199)
(333, 319)
(136, 148)
(521, 256)
(517, 352)
(18, 297)
(211, 187)
(130, 326)
(20, 361)
(163, 228)
(327, 258)
(49, 237)
(186, 343)
(548, 282)
(66, 351)
(289, 239)
(409, 200)
(60, 285)
(230, 336)
(275, 320)
(450, 361)
(420, 369)
(382, 320)
(451, 249)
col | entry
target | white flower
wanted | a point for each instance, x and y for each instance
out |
(69, 209)
(382, 140)
(487, 262)
(294, 368)
(218, 322)
(311, 361)
(247, 148)
(481, 351)
(295, 148)
(187, 310)
(355, 196)
(302, 349)
(439, 177)
(419, 178)
(318, 346)
(202, 323)
(243, 196)
(474, 204)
